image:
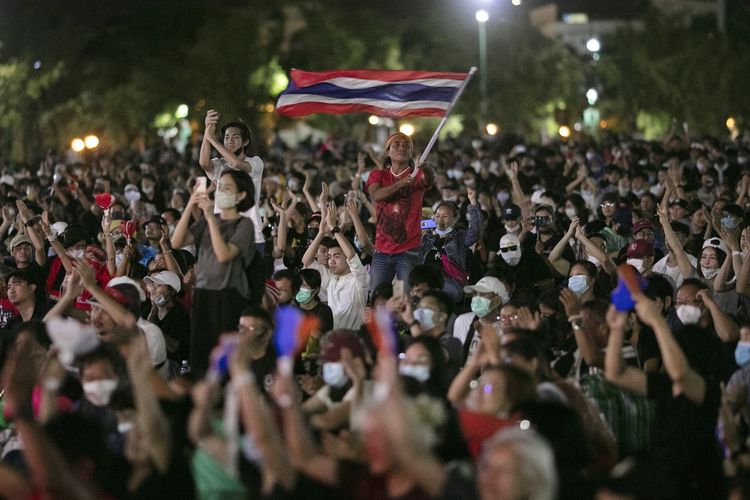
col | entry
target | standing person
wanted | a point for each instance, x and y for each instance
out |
(398, 200)
(224, 244)
(235, 145)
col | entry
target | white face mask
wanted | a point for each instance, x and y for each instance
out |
(443, 232)
(503, 197)
(225, 200)
(570, 213)
(418, 372)
(511, 258)
(76, 254)
(689, 315)
(132, 196)
(709, 274)
(99, 392)
(425, 317)
(334, 375)
(119, 258)
(512, 230)
(637, 263)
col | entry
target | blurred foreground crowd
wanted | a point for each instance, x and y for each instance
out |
(503, 321)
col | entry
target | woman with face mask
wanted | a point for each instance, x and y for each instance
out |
(225, 245)
(169, 315)
(424, 361)
(342, 356)
(581, 280)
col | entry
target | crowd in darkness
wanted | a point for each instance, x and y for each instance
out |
(470, 334)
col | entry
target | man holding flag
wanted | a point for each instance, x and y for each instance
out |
(398, 195)
(398, 189)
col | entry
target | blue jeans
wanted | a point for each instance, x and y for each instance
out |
(385, 266)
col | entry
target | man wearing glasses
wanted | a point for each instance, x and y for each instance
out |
(526, 269)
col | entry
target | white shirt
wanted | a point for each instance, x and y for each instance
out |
(347, 296)
(256, 174)
(325, 278)
(674, 273)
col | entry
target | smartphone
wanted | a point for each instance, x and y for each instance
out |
(398, 288)
(200, 184)
(428, 224)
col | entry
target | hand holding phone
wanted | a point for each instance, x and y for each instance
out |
(200, 184)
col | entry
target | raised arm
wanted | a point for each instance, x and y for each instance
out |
(564, 242)
(62, 254)
(28, 219)
(182, 236)
(475, 219)
(683, 263)
(726, 328)
(109, 246)
(308, 197)
(346, 247)
(152, 422)
(117, 311)
(204, 158)
(359, 228)
(615, 369)
(685, 380)
(381, 193)
(596, 252)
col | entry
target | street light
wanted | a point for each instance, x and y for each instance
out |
(407, 128)
(564, 131)
(77, 145)
(482, 17)
(374, 120)
(592, 96)
(492, 129)
(91, 141)
(593, 45)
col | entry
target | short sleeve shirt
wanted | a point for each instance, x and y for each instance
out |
(256, 174)
(212, 274)
(398, 227)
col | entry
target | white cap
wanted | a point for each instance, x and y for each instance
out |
(716, 243)
(488, 284)
(164, 278)
(124, 280)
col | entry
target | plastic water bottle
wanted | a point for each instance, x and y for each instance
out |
(184, 367)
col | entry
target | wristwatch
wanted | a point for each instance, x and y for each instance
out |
(335, 229)
(576, 321)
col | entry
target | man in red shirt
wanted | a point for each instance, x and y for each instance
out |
(398, 196)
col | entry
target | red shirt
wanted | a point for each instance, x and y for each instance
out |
(398, 227)
(57, 273)
(477, 427)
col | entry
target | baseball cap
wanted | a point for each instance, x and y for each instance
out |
(340, 339)
(512, 212)
(488, 284)
(642, 224)
(639, 249)
(124, 280)
(156, 219)
(717, 243)
(19, 239)
(164, 278)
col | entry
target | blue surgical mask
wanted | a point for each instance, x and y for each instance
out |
(742, 353)
(418, 372)
(579, 284)
(729, 223)
(480, 306)
(443, 232)
(425, 317)
(334, 375)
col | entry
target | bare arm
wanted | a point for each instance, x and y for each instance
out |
(359, 228)
(596, 252)
(380, 193)
(674, 244)
(204, 158)
(726, 328)
(182, 236)
(615, 369)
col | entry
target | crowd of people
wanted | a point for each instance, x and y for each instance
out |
(469, 331)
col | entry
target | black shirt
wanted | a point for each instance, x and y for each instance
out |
(41, 309)
(175, 326)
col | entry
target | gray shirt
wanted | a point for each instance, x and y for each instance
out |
(210, 274)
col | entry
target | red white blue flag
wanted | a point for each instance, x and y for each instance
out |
(395, 94)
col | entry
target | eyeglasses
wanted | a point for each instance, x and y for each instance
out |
(511, 248)
(251, 329)
(608, 204)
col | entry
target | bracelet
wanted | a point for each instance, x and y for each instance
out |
(735, 253)
(167, 252)
(335, 230)
(52, 237)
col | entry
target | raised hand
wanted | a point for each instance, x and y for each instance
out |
(570, 301)
(331, 215)
(471, 193)
(23, 211)
(616, 320)
(212, 118)
(572, 227)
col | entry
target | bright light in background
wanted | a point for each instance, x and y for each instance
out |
(77, 145)
(491, 129)
(564, 131)
(407, 128)
(482, 16)
(593, 45)
(374, 120)
(592, 95)
(182, 111)
(37, 64)
(731, 123)
(91, 141)
(516, 2)
(578, 127)
(603, 124)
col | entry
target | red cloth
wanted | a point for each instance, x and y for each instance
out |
(7, 311)
(102, 278)
(398, 217)
(477, 427)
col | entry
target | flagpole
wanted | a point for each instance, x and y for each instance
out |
(445, 118)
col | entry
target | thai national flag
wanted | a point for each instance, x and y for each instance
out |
(395, 94)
